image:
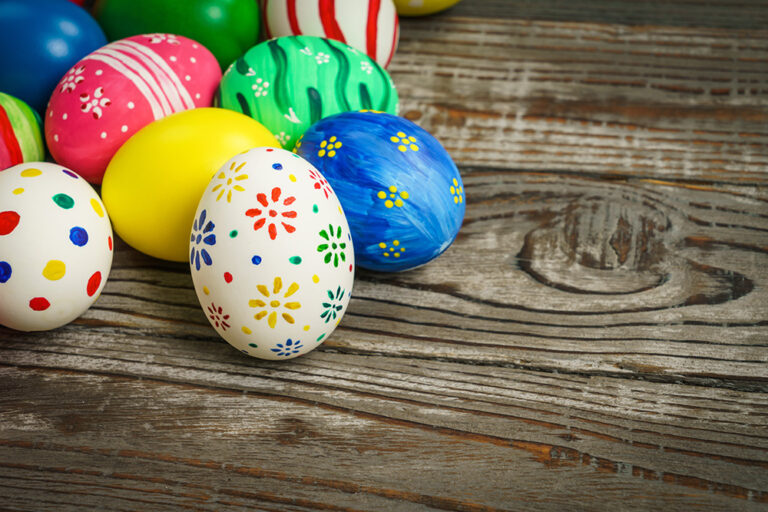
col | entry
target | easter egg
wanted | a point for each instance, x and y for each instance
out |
(226, 27)
(55, 246)
(271, 254)
(401, 191)
(115, 91)
(153, 183)
(289, 83)
(20, 135)
(39, 41)
(368, 25)
(422, 7)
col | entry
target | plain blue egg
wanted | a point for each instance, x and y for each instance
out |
(400, 190)
(39, 41)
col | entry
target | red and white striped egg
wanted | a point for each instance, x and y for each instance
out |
(368, 25)
(115, 91)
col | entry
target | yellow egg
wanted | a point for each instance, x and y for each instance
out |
(153, 183)
(422, 7)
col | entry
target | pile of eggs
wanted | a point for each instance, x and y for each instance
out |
(272, 180)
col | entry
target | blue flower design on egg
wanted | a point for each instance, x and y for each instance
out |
(289, 348)
(202, 235)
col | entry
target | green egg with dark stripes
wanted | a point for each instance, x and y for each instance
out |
(290, 83)
(21, 138)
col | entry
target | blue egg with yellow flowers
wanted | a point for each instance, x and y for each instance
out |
(400, 190)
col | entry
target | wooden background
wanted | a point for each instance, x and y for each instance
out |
(596, 338)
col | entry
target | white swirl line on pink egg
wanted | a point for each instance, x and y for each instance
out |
(162, 64)
(157, 110)
(149, 78)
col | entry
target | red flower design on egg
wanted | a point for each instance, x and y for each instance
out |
(94, 104)
(320, 183)
(272, 213)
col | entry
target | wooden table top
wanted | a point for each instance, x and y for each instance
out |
(595, 339)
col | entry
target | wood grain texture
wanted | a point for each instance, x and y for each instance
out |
(595, 339)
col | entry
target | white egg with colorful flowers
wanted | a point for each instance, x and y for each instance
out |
(271, 254)
(55, 246)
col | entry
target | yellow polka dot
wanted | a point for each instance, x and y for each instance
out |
(402, 249)
(455, 183)
(400, 134)
(414, 147)
(382, 245)
(306, 327)
(382, 194)
(321, 152)
(453, 189)
(292, 177)
(31, 173)
(404, 194)
(206, 290)
(461, 199)
(405, 141)
(323, 144)
(331, 153)
(398, 202)
(97, 207)
(397, 255)
(412, 138)
(315, 279)
(396, 243)
(246, 330)
(456, 199)
(54, 270)
(388, 203)
(461, 189)
(333, 139)
(18, 191)
(337, 145)
(402, 148)
(393, 188)
(394, 139)
(386, 255)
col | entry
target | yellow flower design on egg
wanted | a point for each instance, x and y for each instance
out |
(395, 249)
(457, 191)
(226, 186)
(329, 147)
(391, 198)
(404, 142)
(271, 308)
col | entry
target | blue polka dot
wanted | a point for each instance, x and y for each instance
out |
(79, 236)
(69, 173)
(5, 271)
(256, 260)
(277, 167)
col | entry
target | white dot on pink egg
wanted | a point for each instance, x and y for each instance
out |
(197, 96)
(130, 104)
(56, 137)
(173, 58)
(103, 135)
(187, 78)
(98, 72)
(124, 128)
(64, 116)
(192, 60)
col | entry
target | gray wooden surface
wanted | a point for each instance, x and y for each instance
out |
(596, 338)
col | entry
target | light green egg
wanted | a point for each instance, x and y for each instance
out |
(289, 83)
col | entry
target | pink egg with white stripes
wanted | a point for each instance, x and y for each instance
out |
(115, 91)
(368, 25)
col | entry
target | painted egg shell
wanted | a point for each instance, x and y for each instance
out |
(370, 25)
(271, 254)
(40, 41)
(400, 189)
(422, 7)
(226, 27)
(289, 83)
(55, 246)
(21, 139)
(154, 181)
(115, 91)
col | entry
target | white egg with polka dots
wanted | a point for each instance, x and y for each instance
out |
(55, 246)
(271, 254)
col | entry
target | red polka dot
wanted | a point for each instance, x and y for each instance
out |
(350, 268)
(109, 241)
(93, 283)
(270, 150)
(228, 277)
(8, 222)
(39, 304)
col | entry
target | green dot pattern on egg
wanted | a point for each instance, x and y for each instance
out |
(290, 83)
